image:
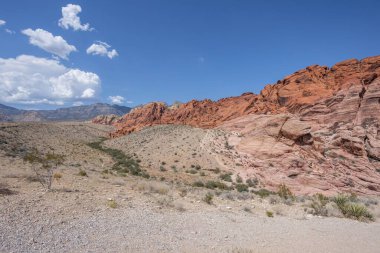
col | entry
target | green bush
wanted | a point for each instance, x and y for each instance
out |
(226, 177)
(123, 163)
(251, 182)
(241, 187)
(198, 184)
(208, 198)
(352, 210)
(263, 193)
(216, 185)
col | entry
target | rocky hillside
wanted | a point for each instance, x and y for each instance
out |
(316, 130)
(345, 92)
(84, 112)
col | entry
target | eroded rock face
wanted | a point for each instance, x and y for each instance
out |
(349, 91)
(316, 130)
(106, 119)
(336, 160)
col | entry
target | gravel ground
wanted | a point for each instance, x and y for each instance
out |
(142, 228)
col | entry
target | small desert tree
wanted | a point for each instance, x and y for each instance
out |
(44, 165)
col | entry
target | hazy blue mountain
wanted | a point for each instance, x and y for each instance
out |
(83, 112)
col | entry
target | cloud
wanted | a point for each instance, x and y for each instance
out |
(2, 22)
(48, 42)
(117, 99)
(78, 103)
(101, 48)
(10, 31)
(70, 18)
(28, 79)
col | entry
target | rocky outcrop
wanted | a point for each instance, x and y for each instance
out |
(316, 130)
(331, 160)
(106, 119)
(349, 91)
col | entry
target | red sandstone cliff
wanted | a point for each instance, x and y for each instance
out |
(334, 93)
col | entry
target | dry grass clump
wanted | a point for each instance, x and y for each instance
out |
(208, 198)
(285, 193)
(4, 190)
(153, 187)
(318, 204)
(111, 203)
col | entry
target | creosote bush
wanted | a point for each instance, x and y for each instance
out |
(226, 177)
(44, 166)
(208, 198)
(82, 173)
(241, 187)
(123, 163)
(269, 214)
(263, 193)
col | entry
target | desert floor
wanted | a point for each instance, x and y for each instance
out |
(90, 208)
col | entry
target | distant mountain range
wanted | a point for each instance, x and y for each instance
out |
(76, 113)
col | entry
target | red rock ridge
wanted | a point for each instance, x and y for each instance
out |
(295, 94)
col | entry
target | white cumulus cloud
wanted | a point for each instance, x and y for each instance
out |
(117, 99)
(70, 18)
(102, 48)
(48, 42)
(2, 22)
(28, 79)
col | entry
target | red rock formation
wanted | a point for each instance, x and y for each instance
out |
(317, 130)
(346, 85)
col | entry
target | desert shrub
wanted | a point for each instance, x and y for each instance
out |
(82, 173)
(241, 187)
(208, 198)
(198, 184)
(263, 193)
(285, 193)
(198, 167)
(162, 168)
(251, 182)
(57, 176)
(356, 211)
(4, 190)
(44, 166)
(239, 179)
(216, 185)
(318, 204)
(153, 187)
(123, 163)
(340, 200)
(202, 174)
(112, 203)
(226, 177)
(216, 170)
(269, 214)
(192, 171)
(352, 210)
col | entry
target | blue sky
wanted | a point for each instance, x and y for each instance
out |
(171, 50)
